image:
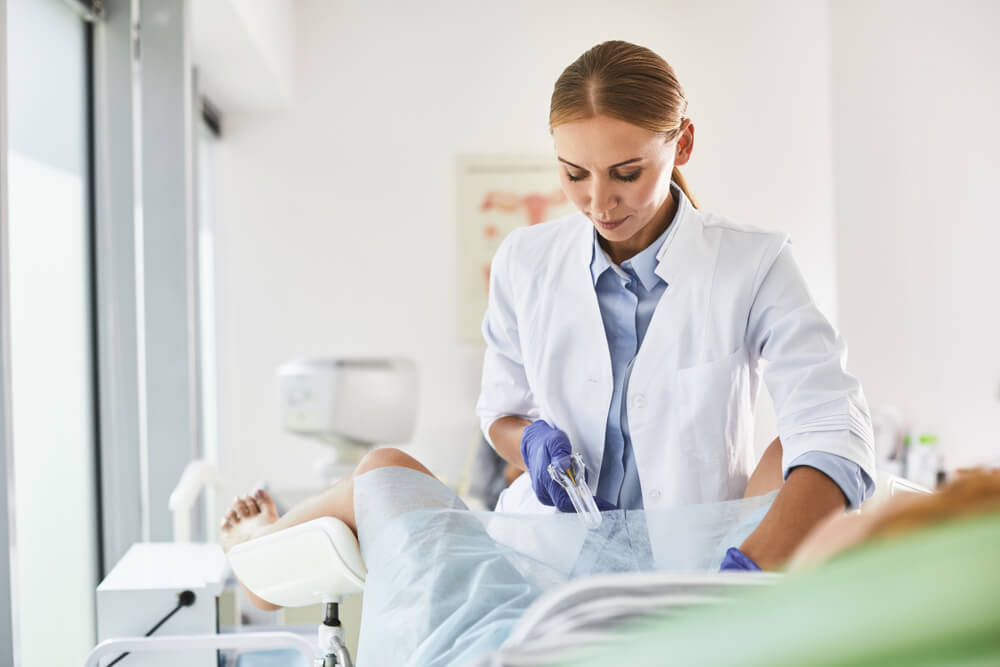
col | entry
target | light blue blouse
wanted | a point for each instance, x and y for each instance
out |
(627, 296)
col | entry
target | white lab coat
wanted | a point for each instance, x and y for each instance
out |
(735, 296)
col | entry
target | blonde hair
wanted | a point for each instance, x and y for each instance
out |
(971, 494)
(626, 82)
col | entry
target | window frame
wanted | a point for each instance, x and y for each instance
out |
(8, 620)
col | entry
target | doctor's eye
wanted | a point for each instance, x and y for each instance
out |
(628, 178)
(575, 178)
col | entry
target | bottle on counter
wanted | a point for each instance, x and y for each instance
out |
(923, 459)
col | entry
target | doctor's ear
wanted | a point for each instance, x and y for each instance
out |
(685, 144)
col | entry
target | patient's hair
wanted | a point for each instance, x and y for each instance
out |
(627, 82)
(971, 494)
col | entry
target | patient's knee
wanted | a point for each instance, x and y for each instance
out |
(385, 457)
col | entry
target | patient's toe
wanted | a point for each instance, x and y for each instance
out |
(268, 510)
(244, 507)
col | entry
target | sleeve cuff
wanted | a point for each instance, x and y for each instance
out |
(854, 482)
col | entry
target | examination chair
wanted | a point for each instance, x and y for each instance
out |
(315, 562)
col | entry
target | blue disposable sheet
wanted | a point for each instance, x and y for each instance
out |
(446, 585)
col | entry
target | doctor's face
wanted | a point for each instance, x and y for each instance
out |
(618, 175)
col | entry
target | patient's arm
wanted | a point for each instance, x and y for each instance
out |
(254, 515)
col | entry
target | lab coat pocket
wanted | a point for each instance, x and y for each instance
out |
(715, 421)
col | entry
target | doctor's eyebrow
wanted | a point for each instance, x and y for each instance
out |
(620, 164)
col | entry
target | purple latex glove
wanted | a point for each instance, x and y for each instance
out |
(541, 445)
(737, 560)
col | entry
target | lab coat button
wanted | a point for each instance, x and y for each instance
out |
(654, 494)
(638, 401)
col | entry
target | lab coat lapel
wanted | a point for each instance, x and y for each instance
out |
(591, 326)
(588, 377)
(686, 262)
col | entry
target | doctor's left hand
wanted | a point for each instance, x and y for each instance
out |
(736, 560)
(542, 444)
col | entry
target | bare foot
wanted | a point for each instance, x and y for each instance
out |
(246, 519)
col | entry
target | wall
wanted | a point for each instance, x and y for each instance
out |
(916, 165)
(243, 50)
(336, 218)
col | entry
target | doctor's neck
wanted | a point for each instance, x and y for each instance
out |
(620, 250)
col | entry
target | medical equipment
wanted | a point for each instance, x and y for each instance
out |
(197, 474)
(350, 404)
(570, 473)
(923, 460)
(888, 426)
(148, 583)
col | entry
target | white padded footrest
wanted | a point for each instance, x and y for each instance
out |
(315, 562)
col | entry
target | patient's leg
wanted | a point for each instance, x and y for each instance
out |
(255, 515)
(766, 476)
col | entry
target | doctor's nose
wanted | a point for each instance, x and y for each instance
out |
(603, 201)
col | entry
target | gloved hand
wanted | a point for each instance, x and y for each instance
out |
(541, 445)
(737, 560)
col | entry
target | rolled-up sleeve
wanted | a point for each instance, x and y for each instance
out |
(854, 483)
(505, 390)
(819, 405)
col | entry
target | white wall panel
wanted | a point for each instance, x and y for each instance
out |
(917, 167)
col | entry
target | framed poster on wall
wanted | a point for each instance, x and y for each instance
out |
(496, 194)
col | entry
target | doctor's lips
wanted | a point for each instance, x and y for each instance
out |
(610, 224)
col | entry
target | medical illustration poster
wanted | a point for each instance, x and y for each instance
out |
(496, 194)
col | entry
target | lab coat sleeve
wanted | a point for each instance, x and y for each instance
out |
(505, 389)
(819, 405)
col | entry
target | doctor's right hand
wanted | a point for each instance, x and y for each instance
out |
(541, 445)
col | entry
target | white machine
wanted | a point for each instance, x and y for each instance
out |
(350, 404)
(148, 583)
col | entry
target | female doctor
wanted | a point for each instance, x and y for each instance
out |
(633, 330)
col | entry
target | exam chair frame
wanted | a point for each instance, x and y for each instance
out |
(324, 555)
(249, 641)
(325, 558)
